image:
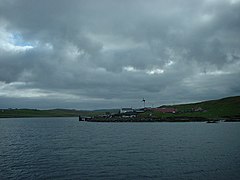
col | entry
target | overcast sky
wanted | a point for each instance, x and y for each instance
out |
(93, 54)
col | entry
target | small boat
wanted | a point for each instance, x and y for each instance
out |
(84, 118)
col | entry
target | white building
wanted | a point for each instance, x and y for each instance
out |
(126, 110)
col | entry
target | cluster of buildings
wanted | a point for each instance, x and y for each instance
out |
(130, 112)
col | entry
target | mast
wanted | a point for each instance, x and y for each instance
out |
(143, 102)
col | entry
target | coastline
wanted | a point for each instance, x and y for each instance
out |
(171, 119)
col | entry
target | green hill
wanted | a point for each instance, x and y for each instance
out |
(223, 108)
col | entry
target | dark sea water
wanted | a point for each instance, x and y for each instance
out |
(64, 148)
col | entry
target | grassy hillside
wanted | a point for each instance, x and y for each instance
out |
(217, 108)
(226, 107)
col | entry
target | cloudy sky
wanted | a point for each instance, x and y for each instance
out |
(92, 54)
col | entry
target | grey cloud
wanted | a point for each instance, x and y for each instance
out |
(84, 48)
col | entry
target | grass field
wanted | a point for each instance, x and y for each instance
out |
(11, 113)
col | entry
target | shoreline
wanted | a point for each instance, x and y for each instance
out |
(175, 119)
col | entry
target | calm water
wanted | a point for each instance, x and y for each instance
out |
(63, 148)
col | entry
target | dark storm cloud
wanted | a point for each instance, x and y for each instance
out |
(94, 54)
